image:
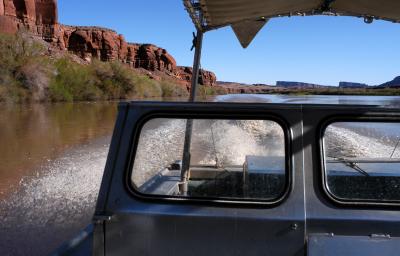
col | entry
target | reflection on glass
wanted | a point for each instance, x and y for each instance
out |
(243, 159)
(362, 160)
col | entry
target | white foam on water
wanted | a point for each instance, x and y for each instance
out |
(234, 140)
(230, 141)
(53, 207)
(344, 142)
(157, 148)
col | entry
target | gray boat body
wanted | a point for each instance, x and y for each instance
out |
(307, 220)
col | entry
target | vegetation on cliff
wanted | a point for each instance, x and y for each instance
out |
(29, 74)
(105, 81)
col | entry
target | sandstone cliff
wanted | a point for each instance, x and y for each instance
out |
(37, 16)
(40, 17)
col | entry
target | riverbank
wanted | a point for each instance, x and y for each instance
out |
(29, 74)
(31, 71)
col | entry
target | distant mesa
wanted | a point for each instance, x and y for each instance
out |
(40, 18)
(352, 85)
(395, 83)
(298, 85)
(285, 86)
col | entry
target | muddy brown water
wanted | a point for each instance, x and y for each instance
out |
(32, 135)
(52, 158)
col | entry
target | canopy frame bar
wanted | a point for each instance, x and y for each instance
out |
(193, 7)
(185, 167)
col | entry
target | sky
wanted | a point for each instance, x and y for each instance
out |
(319, 49)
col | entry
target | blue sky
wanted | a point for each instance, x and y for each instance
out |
(323, 50)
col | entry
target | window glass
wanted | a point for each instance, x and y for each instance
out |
(232, 159)
(362, 161)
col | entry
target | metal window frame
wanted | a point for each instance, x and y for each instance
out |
(305, 119)
(348, 202)
(218, 115)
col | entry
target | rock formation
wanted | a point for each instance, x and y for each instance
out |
(205, 77)
(298, 85)
(106, 45)
(37, 16)
(395, 83)
(40, 17)
(352, 85)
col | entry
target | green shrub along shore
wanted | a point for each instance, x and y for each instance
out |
(28, 74)
(105, 81)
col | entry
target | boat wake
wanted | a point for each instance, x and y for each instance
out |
(234, 140)
(160, 142)
(343, 142)
(55, 205)
(225, 141)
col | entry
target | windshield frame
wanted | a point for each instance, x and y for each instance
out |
(367, 118)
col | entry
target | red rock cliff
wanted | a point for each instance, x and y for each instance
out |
(106, 45)
(40, 17)
(36, 16)
(205, 77)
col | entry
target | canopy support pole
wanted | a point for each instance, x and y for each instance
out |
(198, 43)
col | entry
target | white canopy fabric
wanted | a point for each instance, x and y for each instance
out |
(247, 17)
(246, 31)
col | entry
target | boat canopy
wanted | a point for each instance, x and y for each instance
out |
(247, 17)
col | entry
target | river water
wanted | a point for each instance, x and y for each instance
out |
(52, 159)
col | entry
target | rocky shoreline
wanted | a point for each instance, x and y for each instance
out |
(87, 44)
(40, 18)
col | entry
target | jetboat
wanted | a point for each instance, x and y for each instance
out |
(188, 179)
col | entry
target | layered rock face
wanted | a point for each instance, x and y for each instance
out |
(205, 77)
(106, 45)
(36, 16)
(40, 17)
